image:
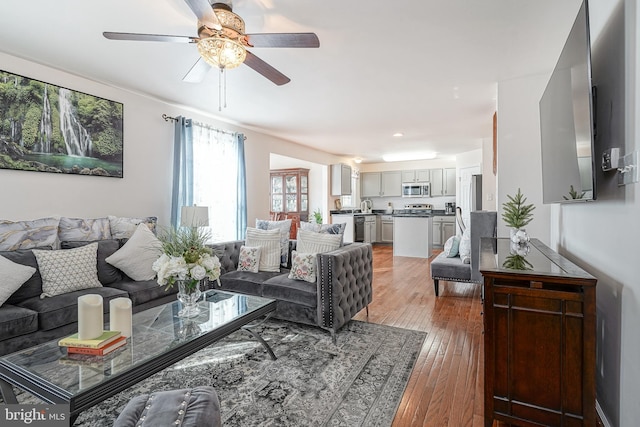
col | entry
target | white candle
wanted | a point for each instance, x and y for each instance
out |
(120, 316)
(90, 316)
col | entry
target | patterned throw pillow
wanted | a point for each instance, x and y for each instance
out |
(83, 230)
(303, 267)
(451, 247)
(12, 276)
(249, 259)
(28, 234)
(285, 227)
(68, 270)
(123, 228)
(269, 243)
(310, 242)
(136, 257)
(465, 246)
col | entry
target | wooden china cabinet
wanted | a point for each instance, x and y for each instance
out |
(539, 337)
(290, 196)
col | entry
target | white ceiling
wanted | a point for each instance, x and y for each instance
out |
(427, 68)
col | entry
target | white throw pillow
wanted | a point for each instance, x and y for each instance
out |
(285, 230)
(465, 246)
(12, 276)
(451, 247)
(311, 242)
(136, 257)
(269, 243)
(68, 270)
(303, 266)
(249, 259)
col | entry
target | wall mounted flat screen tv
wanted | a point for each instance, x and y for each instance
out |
(566, 121)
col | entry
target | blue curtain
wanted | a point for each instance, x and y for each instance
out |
(241, 220)
(182, 191)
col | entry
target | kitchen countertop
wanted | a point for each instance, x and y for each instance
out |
(397, 212)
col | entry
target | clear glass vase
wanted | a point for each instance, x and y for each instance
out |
(189, 294)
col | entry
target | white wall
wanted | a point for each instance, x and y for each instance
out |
(599, 236)
(519, 156)
(145, 188)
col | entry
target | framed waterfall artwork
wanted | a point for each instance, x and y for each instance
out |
(48, 128)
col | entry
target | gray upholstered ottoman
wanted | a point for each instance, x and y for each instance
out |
(196, 407)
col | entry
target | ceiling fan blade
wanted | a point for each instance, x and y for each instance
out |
(265, 69)
(283, 40)
(203, 10)
(197, 72)
(149, 37)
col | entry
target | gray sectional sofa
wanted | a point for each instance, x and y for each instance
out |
(26, 319)
(343, 286)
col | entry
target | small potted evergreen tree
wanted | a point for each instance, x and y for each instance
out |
(516, 214)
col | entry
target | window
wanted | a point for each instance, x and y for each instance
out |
(215, 171)
(350, 200)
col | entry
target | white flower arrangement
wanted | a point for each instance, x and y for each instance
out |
(185, 257)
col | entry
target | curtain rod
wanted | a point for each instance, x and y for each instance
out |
(174, 119)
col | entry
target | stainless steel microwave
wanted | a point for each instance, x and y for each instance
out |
(415, 189)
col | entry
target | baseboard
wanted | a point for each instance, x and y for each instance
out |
(603, 418)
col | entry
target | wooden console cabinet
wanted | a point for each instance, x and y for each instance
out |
(539, 337)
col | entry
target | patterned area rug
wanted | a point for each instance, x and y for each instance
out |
(358, 382)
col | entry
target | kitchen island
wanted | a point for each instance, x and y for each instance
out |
(412, 235)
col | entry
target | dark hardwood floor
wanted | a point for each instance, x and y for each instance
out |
(446, 386)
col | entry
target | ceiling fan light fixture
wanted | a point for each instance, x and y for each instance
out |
(222, 52)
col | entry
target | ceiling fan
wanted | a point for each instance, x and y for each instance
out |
(222, 42)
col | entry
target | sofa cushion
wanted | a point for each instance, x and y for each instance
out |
(12, 276)
(247, 282)
(33, 286)
(312, 242)
(142, 291)
(16, 321)
(296, 291)
(450, 268)
(81, 229)
(269, 243)
(62, 309)
(28, 234)
(123, 228)
(69, 270)
(107, 273)
(136, 257)
(249, 259)
(303, 267)
(284, 227)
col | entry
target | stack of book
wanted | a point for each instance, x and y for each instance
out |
(104, 344)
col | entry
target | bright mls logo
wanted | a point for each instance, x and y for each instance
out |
(35, 415)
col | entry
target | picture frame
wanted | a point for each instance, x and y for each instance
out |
(50, 128)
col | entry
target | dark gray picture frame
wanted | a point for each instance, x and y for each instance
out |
(49, 128)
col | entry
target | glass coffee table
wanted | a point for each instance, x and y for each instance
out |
(160, 338)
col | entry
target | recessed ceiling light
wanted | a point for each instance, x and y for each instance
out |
(398, 134)
(358, 160)
(416, 155)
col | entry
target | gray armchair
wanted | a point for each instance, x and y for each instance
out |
(482, 224)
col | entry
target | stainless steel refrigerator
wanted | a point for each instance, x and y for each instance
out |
(476, 192)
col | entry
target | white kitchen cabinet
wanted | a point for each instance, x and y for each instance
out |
(443, 228)
(391, 184)
(443, 182)
(386, 228)
(370, 228)
(340, 180)
(349, 230)
(417, 175)
(380, 184)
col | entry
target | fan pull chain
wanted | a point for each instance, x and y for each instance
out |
(220, 89)
(225, 90)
